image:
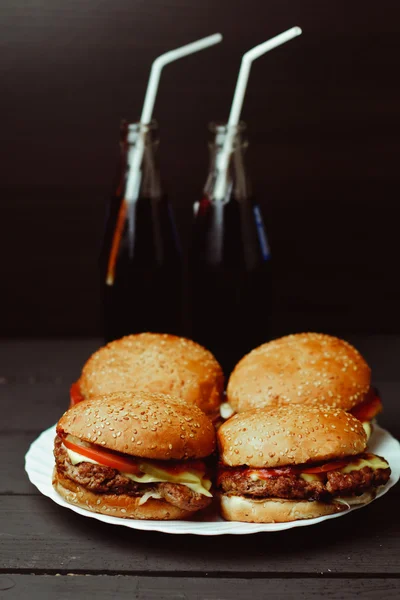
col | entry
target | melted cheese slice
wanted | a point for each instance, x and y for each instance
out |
(374, 462)
(76, 458)
(151, 474)
(226, 410)
(311, 476)
(367, 428)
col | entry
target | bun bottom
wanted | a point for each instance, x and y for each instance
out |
(116, 505)
(274, 510)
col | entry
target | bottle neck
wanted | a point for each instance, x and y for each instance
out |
(139, 145)
(227, 166)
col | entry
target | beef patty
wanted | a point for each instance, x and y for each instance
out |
(238, 481)
(105, 480)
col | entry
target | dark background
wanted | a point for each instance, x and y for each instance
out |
(323, 121)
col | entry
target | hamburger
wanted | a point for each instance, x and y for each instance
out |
(304, 368)
(134, 455)
(295, 462)
(153, 362)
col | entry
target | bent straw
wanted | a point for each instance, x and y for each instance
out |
(133, 183)
(237, 102)
(136, 152)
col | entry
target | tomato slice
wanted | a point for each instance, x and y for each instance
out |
(368, 409)
(330, 466)
(75, 394)
(126, 464)
(105, 457)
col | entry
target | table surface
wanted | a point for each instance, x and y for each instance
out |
(49, 552)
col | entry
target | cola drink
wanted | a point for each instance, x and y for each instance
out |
(229, 261)
(141, 258)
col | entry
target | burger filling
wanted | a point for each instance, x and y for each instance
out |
(350, 477)
(184, 484)
(369, 408)
(76, 395)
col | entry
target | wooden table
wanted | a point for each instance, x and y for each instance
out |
(49, 552)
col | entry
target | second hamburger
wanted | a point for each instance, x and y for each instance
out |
(153, 362)
(135, 456)
(296, 462)
(308, 369)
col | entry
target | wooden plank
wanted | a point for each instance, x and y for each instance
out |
(35, 407)
(44, 361)
(32, 407)
(13, 479)
(35, 377)
(60, 361)
(37, 534)
(28, 408)
(19, 587)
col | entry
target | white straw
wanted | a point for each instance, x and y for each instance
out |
(135, 159)
(165, 59)
(237, 102)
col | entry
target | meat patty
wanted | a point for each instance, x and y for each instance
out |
(356, 482)
(283, 486)
(182, 496)
(96, 478)
(105, 480)
(293, 487)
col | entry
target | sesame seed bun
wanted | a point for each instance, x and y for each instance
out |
(142, 424)
(306, 368)
(274, 510)
(159, 363)
(289, 435)
(116, 505)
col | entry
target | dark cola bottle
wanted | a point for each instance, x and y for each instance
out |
(229, 260)
(141, 260)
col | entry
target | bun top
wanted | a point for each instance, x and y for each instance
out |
(290, 435)
(153, 362)
(306, 368)
(153, 426)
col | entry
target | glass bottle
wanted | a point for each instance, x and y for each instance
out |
(141, 261)
(229, 260)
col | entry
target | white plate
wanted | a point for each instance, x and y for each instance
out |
(39, 463)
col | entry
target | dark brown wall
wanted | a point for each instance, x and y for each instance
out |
(324, 121)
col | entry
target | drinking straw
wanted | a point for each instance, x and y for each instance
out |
(127, 208)
(133, 182)
(237, 103)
